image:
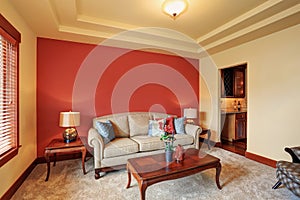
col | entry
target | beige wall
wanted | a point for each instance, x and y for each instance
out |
(273, 90)
(11, 171)
(209, 97)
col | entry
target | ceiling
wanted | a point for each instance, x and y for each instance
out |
(213, 25)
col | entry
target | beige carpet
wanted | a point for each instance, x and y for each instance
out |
(240, 178)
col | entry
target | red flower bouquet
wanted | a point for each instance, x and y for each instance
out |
(168, 137)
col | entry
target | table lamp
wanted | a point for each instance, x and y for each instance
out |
(190, 114)
(70, 120)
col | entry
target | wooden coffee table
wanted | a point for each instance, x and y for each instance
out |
(152, 169)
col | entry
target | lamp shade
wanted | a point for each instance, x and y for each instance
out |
(190, 113)
(174, 7)
(69, 119)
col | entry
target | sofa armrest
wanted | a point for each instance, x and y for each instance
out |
(96, 141)
(194, 131)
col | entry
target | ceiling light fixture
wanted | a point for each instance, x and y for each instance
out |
(174, 7)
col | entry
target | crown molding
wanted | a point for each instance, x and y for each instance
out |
(65, 20)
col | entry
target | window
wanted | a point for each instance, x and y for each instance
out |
(9, 103)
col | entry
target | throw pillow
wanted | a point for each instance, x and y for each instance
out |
(106, 130)
(170, 124)
(138, 124)
(156, 127)
(179, 125)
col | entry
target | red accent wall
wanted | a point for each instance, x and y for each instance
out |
(98, 80)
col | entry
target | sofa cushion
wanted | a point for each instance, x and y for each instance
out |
(179, 125)
(119, 122)
(105, 129)
(159, 115)
(119, 147)
(138, 124)
(156, 127)
(147, 143)
(183, 139)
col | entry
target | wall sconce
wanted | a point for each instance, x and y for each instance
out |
(190, 114)
(174, 7)
(69, 120)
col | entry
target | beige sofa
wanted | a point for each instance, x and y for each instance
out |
(132, 140)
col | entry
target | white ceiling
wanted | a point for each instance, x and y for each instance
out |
(213, 24)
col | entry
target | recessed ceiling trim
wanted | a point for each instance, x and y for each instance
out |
(127, 27)
(282, 24)
(135, 35)
(240, 19)
(54, 12)
(256, 26)
(107, 23)
(80, 31)
(136, 39)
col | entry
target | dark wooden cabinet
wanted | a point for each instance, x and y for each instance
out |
(234, 126)
(227, 82)
(228, 127)
(233, 82)
(240, 126)
(239, 83)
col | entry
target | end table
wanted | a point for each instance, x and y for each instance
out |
(59, 146)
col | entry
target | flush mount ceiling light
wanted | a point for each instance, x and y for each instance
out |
(174, 7)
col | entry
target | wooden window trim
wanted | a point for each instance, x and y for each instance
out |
(12, 32)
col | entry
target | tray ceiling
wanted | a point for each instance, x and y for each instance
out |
(213, 24)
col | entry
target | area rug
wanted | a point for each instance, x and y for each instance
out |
(240, 178)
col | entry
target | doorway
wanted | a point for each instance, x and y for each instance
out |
(233, 109)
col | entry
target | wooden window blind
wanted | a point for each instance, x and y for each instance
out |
(9, 137)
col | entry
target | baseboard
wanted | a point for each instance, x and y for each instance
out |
(261, 159)
(257, 158)
(10, 192)
(218, 144)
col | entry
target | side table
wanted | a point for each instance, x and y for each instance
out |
(59, 146)
(204, 132)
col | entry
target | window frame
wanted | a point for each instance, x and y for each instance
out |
(12, 32)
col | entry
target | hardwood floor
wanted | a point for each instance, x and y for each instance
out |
(237, 146)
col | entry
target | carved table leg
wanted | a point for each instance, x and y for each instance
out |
(129, 177)
(218, 171)
(54, 162)
(143, 187)
(48, 165)
(83, 150)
